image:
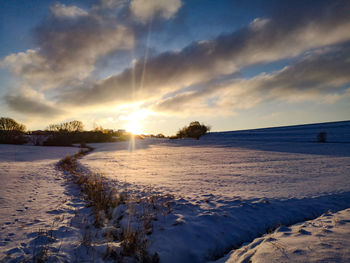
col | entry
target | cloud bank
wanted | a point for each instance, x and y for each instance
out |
(71, 41)
(262, 41)
(325, 73)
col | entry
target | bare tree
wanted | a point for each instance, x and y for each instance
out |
(11, 131)
(72, 126)
(8, 124)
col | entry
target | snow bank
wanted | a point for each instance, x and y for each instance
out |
(324, 239)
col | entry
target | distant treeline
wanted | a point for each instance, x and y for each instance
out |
(72, 132)
(62, 134)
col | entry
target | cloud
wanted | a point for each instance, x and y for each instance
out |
(61, 10)
(71, 41)
(32, 103)
(265, 40)
(69, 44)
(110, 4)
(145, 10)
(320, 76)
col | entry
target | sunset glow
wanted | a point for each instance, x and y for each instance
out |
(134, 127)
(175, 130)
(135, 119)
(243, 66)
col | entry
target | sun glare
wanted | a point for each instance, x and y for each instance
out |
(134, 127)
(134, 124)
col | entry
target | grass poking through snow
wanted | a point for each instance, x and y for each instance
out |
(131, 226)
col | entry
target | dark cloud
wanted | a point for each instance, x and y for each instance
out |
(31, 106)
(70, 46)
(264, 40)
(323, 73)
(72, 41)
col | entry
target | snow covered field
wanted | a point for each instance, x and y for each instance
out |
(234, 186)
(229, 188)
(36, 203)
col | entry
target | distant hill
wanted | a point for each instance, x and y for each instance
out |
(337, 132)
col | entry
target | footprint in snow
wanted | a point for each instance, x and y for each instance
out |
(283, 229)
(55, 212)
(299, 251)
(343, 222)
(304, 232)
(325, 245)
(13, 250)
(34, 222)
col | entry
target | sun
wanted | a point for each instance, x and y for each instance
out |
(134, 127)
(134, 124)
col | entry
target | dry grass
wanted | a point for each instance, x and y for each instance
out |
(142, 211)
(99, 197)
(135, 244)
(41, 252)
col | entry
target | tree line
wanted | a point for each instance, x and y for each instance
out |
(61, 134)
(72, 132)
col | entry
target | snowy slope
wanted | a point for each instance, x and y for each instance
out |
(336, 132)
(231, 187)
(324, 239)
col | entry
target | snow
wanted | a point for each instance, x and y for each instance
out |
(231, 187)
(324, 239)
(37, 204)
(29, 189)
(198, 170)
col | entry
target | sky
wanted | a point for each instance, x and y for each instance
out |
(153, 66)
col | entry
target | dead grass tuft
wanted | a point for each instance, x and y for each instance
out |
(142, 211)
(134, 244)
(68, 163)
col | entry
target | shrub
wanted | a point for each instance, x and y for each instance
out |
(322, 137)
(194, 130)
(12, 132)
(71, 126)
